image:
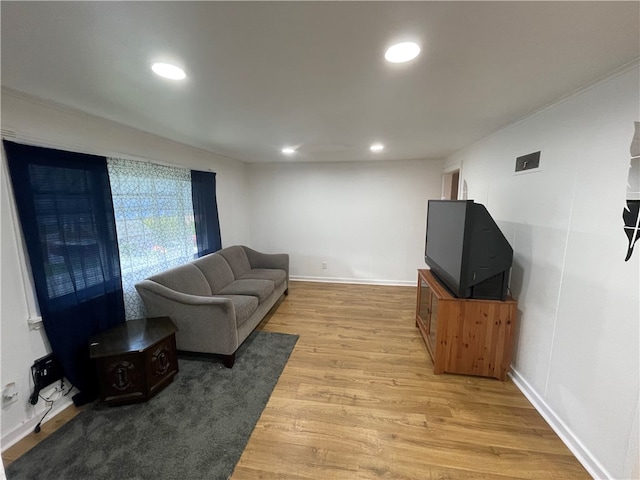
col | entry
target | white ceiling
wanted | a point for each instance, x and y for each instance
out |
(264, 75)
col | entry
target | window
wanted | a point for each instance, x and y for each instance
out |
(72, 254)
(154, 220)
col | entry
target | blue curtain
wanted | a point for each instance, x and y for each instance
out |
(205, 212)
(65, 209)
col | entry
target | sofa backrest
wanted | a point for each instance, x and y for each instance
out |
(216, 270)
(186, 279)
(237, 259)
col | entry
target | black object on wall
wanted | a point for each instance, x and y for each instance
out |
(631, 217)
(66, 213)
(631, 212)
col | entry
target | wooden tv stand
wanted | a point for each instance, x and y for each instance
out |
(467, 336)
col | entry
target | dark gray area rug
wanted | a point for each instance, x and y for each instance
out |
(195, 429)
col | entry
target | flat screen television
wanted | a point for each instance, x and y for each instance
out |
(466, 250)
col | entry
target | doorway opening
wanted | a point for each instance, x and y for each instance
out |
(450, 182)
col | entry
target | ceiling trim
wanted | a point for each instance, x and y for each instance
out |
(14, 134)
(627, 67)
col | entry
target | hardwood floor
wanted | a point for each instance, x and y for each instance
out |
(14, 452)
(358, 400)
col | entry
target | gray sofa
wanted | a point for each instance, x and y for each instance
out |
(217, 300)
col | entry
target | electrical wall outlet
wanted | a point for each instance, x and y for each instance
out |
(324, 265)
(35, 323)
(9, 393)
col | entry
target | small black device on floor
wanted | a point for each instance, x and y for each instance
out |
(44, 371)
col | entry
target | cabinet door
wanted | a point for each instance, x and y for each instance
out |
(433, 319)
(427, 301)
(161, 363)
(122, 377)
(424, 302)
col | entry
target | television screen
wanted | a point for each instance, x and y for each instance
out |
(448, 219)
(466, 250)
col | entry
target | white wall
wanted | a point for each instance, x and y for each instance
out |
(577, 342)
(40, 123)
(366, 220)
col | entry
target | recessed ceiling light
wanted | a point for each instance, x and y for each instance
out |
(167, 70)
(402, 52)
(376, 147)
(288, 150)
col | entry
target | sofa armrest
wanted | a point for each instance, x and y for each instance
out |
(183, 298)
(268, 260)
(205, 323)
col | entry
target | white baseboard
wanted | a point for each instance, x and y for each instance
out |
(355, 281)
(24, 429)
(584, 456)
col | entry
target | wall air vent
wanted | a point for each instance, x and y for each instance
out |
(528, 162)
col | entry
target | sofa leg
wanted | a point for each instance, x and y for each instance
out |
(229, 360)
(286, 292)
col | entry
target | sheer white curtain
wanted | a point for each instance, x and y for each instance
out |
(154, 220)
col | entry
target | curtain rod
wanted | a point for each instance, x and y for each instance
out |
(79, 148)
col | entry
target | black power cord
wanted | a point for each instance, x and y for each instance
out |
(50, 402)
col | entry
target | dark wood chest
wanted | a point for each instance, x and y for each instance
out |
(135, 360)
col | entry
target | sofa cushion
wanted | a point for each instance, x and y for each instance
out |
(244, 305)
(254, 287)
(216, 270)
(185, 279)
(237, 260)
(278, 276)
